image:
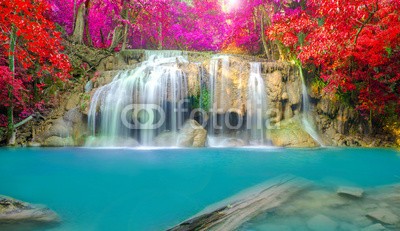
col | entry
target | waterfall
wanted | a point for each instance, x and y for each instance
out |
(150, 102)
(217, 88)
(140, 103)
(149, 54)
(307, 120)
(256, 106)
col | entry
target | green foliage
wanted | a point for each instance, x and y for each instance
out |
(86, 96)
(389, 51)
(85, 102)
(318, 82)
(301, 38)
(321, 21)
(83, 106)
(202, 100)
(345, 97)
(53, 87)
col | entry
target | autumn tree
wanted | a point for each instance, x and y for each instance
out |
(30, 57)
(354, 44)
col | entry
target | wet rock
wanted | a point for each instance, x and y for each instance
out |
(293, 89)
(350, 192)
(285, 96)
(34, 144)
(375, 227)
(88, 86)
(290, 133)
(275, 86)
(274, 90)
(58, 128)
(384, 216)
(288, 112)
(166, 139)
(73, 116)
(111, 142)
(233, 142)
(73, 101)
(78, 125)
(56, 141)
(192, 134)
(14, 211)
(326, 106)
(321, 223)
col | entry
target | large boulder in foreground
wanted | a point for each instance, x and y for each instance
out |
(15, 211)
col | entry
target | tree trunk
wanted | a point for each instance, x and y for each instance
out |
(74, 16)
(119, 33)
(10, 109)
(79, 27)
(267, 49)
(116, 37)
(160, 35)
(125, 37)
(86, 17)
(264, 41)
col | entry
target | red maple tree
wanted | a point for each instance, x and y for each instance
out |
(30, 57)
(354, 44)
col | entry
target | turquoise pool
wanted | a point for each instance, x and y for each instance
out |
(138, 189)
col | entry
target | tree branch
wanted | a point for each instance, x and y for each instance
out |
(370, 16)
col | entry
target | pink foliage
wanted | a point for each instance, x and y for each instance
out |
(153, 24)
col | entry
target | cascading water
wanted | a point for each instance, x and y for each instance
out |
(256, 106)
(217, 89)
(148, 54)
(307, 120)
(140, 103)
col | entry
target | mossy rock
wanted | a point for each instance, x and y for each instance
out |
(290, 133)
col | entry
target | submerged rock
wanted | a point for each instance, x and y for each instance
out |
(15, 211)
(232, 213)
(375, 227)
(384, 216)
(321, 223)
(350, 192)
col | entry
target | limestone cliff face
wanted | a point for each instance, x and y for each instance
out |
(341, 125)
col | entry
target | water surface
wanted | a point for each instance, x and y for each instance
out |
(139, 189)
